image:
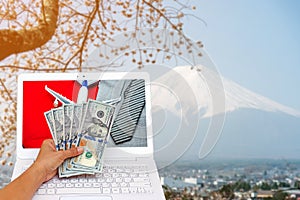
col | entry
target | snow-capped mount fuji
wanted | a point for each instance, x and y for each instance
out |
(240, 97)
(248, 124)
(236, 96)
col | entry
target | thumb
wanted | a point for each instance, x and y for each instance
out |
(72, 152)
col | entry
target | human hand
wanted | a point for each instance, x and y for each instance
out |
(49, 159)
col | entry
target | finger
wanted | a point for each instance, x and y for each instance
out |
(72, 152)
(49, 143)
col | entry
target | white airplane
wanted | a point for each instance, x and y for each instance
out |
(58, 97)
(81, 97)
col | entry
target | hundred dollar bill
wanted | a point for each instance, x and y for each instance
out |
(67, 128)
(87, 125)
(97, 119)
(68, 118)
(74, 173)
(95, 128)
(92, 150)
(77, 115)
(64, 171)
(50, 121)
(58, 128)
(84, 105)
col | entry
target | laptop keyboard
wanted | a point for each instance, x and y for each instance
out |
(113, 180)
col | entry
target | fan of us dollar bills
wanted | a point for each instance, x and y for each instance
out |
(86, 125)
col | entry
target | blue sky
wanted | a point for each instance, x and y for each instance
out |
(254, 43)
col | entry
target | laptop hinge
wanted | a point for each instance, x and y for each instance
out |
(143, 158)
(128, 159)
(120, 159)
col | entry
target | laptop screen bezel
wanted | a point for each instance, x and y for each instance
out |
(110, 152)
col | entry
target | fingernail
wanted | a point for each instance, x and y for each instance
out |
(80, 149)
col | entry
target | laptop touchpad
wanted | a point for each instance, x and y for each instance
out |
(86, 198)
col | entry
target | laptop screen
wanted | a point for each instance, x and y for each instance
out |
(128, 96)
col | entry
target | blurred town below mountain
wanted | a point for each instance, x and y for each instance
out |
(232, 179)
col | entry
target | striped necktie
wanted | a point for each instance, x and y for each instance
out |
(130, 111)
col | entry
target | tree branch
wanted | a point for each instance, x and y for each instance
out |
(12, 41)
(6, 90)
(85, 37)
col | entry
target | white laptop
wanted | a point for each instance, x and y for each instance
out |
(129, 170)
